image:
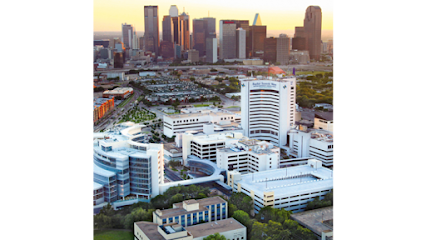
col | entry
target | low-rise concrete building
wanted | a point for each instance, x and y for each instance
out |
(324, 121)
(319, 221)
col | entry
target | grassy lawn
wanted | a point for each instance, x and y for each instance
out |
(234, 107)
(125, 101)
(112, 235)
(201, 105)
(310, 72)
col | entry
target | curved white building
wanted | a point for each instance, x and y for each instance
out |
(268, 108)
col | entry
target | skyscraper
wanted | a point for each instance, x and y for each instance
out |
(152, 34)
(268, 108)
(199, 29)
(227, 39)
(127, 35)
(211, 50)
(241, 43)
(312, 25)
(283, 49)
(135, 41)
(270, 50)
(257, 40)
(257, 35)
(167, 29)
(211, 27)
(184, 31)
(173, 11)
(299, 39)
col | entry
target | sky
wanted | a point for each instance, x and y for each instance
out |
(108, 15)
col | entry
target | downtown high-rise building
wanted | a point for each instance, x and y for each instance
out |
(184, 39)
(256, 38)
(152, 34)
(283, 49)
(202, 29)
(299, 39)
(173, 11)
(127, 35)
(211, 50)
(167, 29)
(270, 54)
(199, 29)
(227, 39)
(241, 43)
(312, 26)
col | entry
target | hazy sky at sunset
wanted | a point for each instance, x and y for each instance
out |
(108, 15)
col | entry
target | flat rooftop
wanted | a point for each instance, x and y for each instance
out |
(172, 146)
(312, 219)
(210, 228)
(150, 230)
(289, 181)
(171, 212)
(187, 115)
(97, 186)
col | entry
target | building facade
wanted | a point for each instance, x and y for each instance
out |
(268, 108)
(194, 121)
(167, 29)
(283, 49)
(313, 143)
(137, 168)
(211, 50)
(191, 212)
(312, 26)
(248, 155)
(151, 34)
(241, 43)
(101, 107)
(127, 35)
(227, 39)
(270, 54)
(229, 228)
(193, 56)
(199, 30)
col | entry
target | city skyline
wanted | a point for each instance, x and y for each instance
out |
(109, 15)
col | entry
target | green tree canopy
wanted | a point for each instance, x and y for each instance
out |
(215, 236)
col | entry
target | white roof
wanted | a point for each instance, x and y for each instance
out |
(317, 180)
(97, 186)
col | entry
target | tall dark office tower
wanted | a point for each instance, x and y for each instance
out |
(141, 44)
(167, 29)
(270, 54)
(257, 38)
(176, 29)
(151, 29)
(256, 34)
(227, 39)
(312, 25)
(184, 31)
(167, 50)
(299, 39)
(127, 35)
(118, 59)
(199, 29)
(211, 27)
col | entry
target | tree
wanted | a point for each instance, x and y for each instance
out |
(231, 209)
(242, 201)
(258, 230)
(176, 198)
(268, 213)
(137, 215)
(244, 219)
(215, 236)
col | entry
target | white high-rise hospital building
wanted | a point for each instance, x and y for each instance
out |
(268, 108)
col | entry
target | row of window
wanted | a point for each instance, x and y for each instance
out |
(190, 120)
